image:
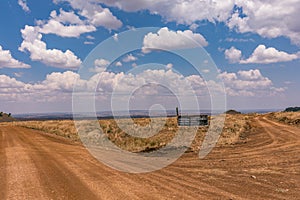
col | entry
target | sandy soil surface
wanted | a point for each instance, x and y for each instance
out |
(34, 165)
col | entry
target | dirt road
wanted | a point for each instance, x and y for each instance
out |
(34, 165)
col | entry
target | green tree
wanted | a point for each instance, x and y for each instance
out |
(292, 109)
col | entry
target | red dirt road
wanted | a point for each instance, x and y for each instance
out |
(34, 165)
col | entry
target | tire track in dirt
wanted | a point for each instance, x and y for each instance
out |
(189, 187)
(21, 174)
(265, 167)
(216, 183)
(67, 160)
(97, 176)
(55, 179)
(270, 162)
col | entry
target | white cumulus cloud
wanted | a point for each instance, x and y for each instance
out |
(248, 83)
(233, 55)
(169, 66)
(58, 87)
(265, 55)
(170, 40)
(59, 29)
(181, 11)
(7, 61)
(32, 42)
(24, 6)
(100, 65)
(66, 24)
(129, 58)
(119, 64)
(261, 55)
(268, 18)
(95, 14)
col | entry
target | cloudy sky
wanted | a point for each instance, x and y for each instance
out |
(254, 44)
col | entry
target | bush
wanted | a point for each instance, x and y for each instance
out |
(292, 109)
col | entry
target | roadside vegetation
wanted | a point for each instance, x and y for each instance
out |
(292, 109)
(290, 118)
(236, 130)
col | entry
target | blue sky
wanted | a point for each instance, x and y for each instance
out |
(254, 44)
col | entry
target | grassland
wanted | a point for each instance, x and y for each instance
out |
(235, 130)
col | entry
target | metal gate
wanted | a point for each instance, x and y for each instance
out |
(195, 120)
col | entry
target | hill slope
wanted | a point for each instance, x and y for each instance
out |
(4, 117)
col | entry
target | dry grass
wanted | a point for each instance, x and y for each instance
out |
(290, 118)
(140, 126)
(235, 130)
(64, 128)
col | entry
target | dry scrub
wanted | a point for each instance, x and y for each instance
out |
(290, 118)
(64, 128)
(235, 130)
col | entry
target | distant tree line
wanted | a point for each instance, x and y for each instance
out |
(292, 109)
